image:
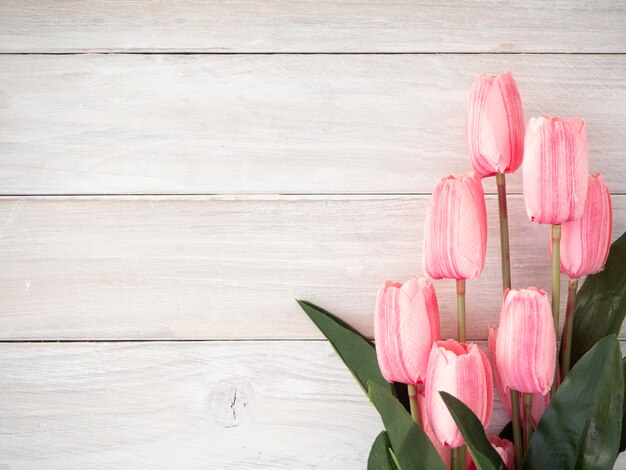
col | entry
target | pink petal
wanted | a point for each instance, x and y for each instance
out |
(459, 369)
(495, 125)
(526, 343)
(555, 169)
(406, 324)
(585, 242)
(455, 230)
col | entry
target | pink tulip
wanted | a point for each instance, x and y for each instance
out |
(540, 402)
(443, 452)
(504, 447)
(455, 230)
(406, 324)
(526, 343)
(585, 242)
(463, 371)
(495, 125)
(555, 169)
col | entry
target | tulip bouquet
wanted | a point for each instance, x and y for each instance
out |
(565, 398)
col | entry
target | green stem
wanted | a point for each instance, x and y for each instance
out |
(556, 293)
(528, 419)
(460, 309)
(459, 458)
(504, 231)
(415, 411)
(572, 287)
(517, 429)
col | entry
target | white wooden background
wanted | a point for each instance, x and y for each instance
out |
(174, 174)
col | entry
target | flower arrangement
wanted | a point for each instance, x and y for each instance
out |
(435, 397)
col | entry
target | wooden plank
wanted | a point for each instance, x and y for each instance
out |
(181, 405)
(230, 267)
(305, 26)
(278, 405)
(276, 124)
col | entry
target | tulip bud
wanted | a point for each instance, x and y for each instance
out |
(463, 371)
(406, 324)
(540, 402)
(555, 169)
(526, 343)
(455, 229)
(495, 125)
(504, 447)
(585, 242)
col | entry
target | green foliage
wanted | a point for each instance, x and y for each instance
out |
(380, 456)
(484, 455)
(601, 302)
(355, 351)
(581, 427)
(409, 442)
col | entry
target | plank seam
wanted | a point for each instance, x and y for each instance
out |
(348, 53)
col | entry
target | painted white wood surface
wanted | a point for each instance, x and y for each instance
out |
(230, 267)
(205, 124)
(313, 26)
(226, 405)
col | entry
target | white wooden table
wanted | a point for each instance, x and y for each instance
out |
(174, 174)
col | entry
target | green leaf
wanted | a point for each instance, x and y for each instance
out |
(380, 457)
(622, 444)
(484, 455)
(601, 302)
(355, 351)
(581, 427)
(409, 442)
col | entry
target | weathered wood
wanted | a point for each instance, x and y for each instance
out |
(312, 26)
(229, 405)
(230, 267)
(184, 405)
(276, 124)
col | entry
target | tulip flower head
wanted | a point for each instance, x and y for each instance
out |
(526, 343)
(463, 371)
(540, 402)
(585, 242)
(555, 169)
(406, 324)
(495, 125)
(455, 229)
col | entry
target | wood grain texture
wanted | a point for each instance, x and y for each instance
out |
(226, 405)
(312, 26)
(230, 267)
(204, 124)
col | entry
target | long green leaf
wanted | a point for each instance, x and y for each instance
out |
(355, 351)
(409, 442)
(483, 454)
(601, 302)
(380, 458)
(581, 427)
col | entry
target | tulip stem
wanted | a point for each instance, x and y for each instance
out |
(459, 458)
(415, 411)
(504, 231)
(528, 419)
(556, 293)
(572, 287)
(517, 429)
(460, 309)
